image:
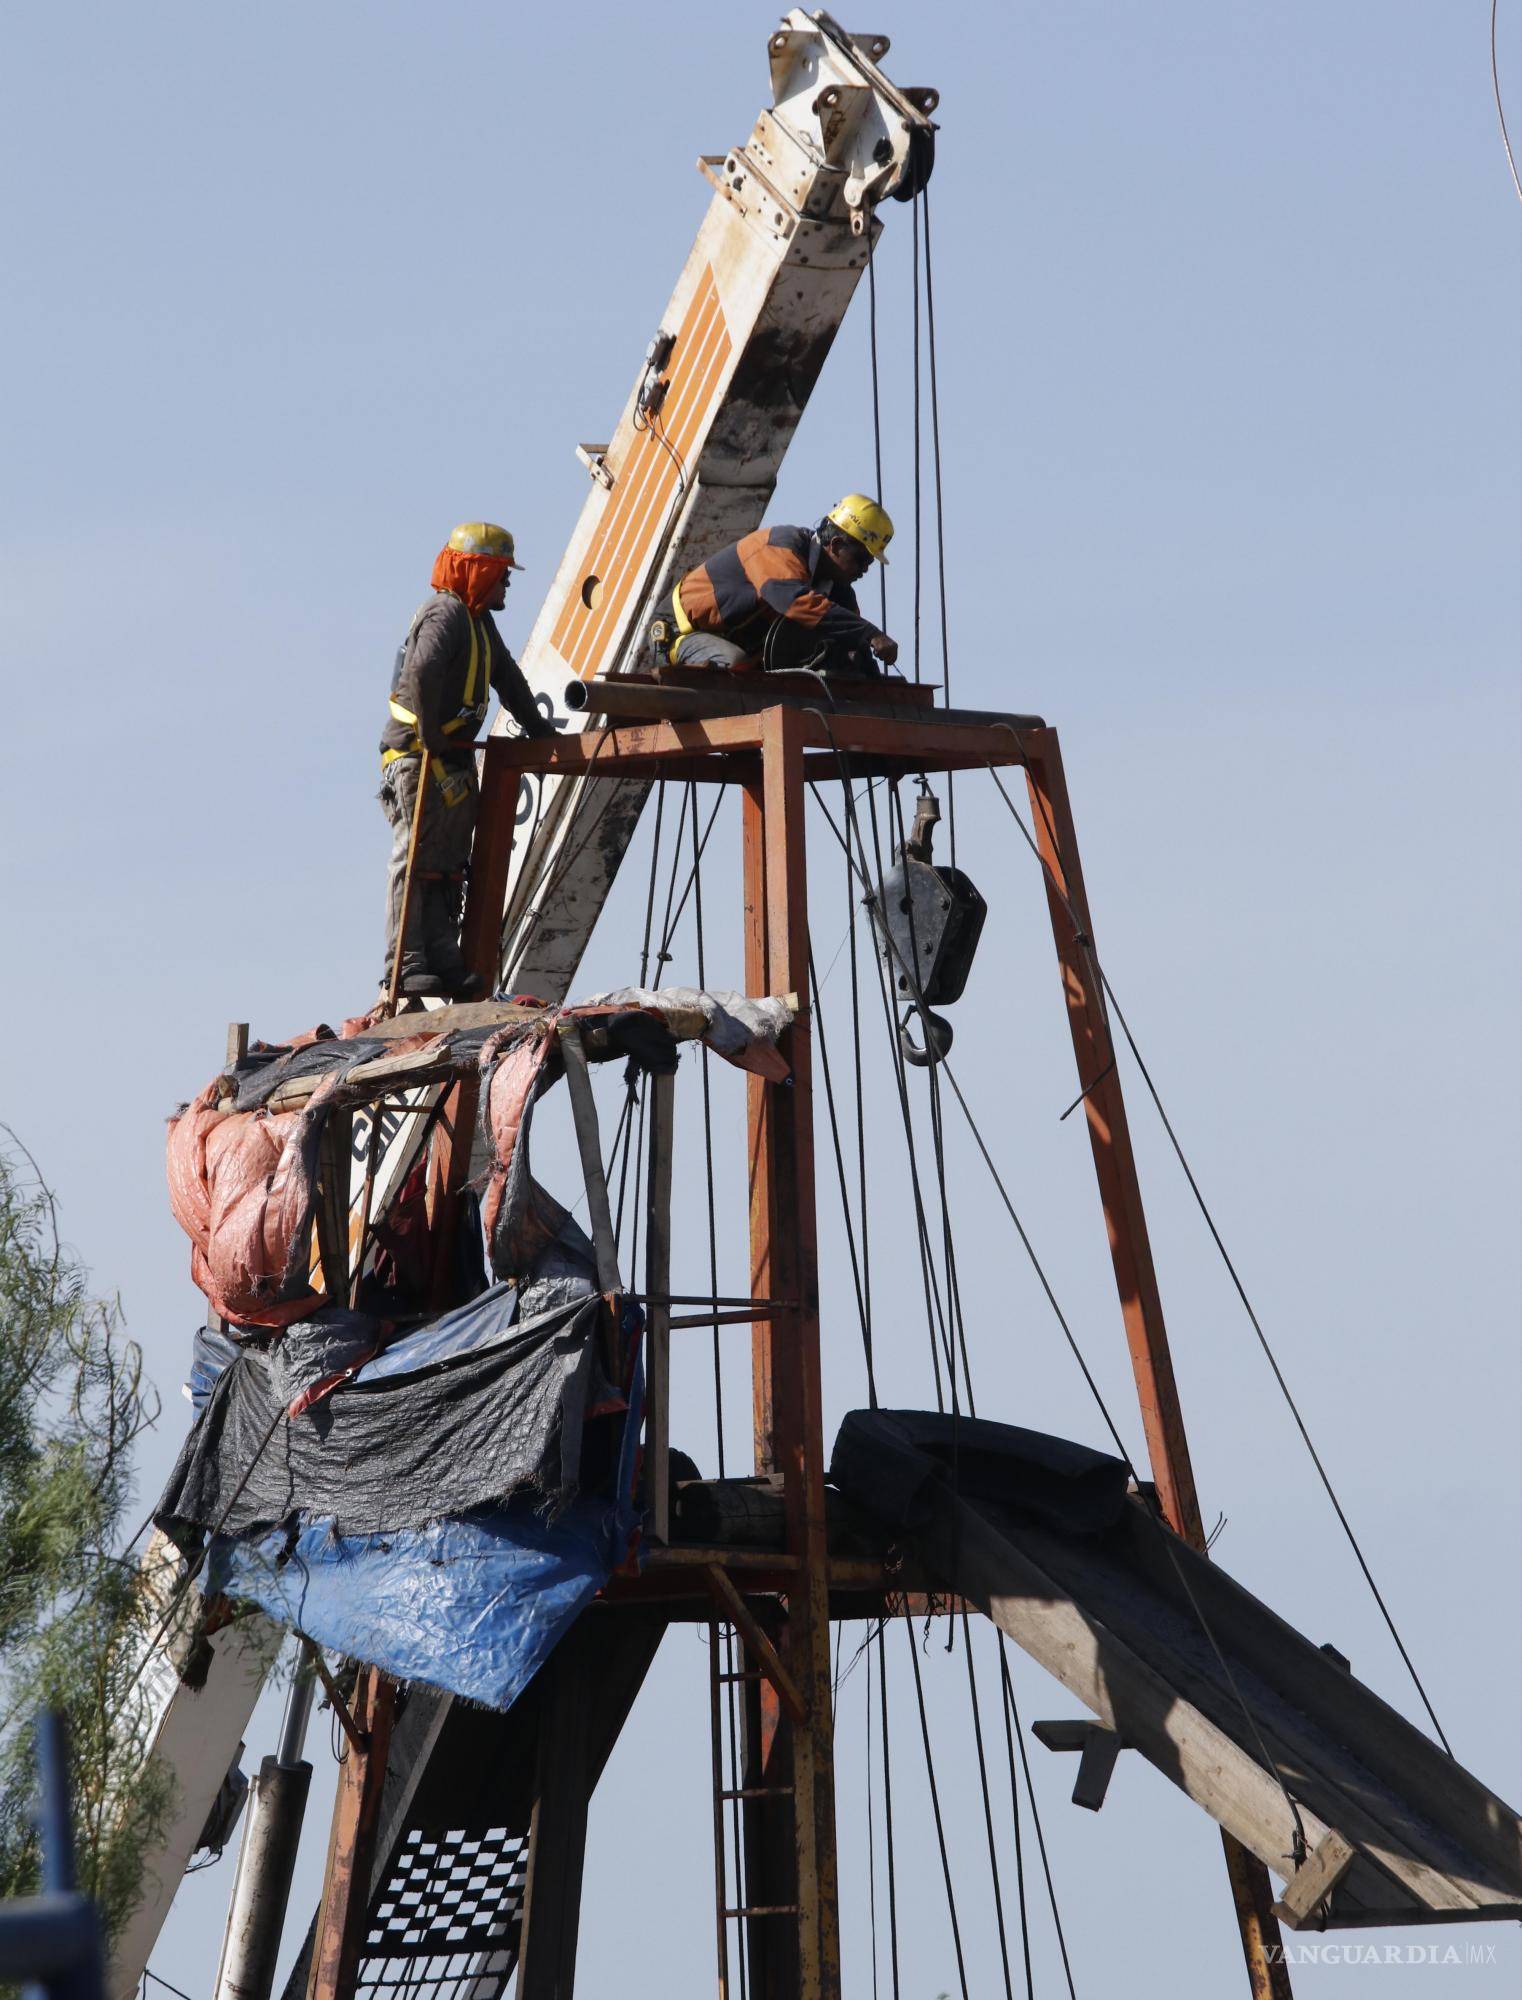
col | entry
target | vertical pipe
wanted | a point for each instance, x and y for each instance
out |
(717, 1756)
(267, 1854)
(658, 1285)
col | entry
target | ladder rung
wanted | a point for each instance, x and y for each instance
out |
(749, 1674)
(765, 1910)
(760, 1792)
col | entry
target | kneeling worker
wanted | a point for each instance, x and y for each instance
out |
(782, 597)
(451, 659)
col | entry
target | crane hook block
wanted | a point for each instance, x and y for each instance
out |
(928, 925)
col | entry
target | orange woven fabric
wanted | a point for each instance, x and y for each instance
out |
(473, 579)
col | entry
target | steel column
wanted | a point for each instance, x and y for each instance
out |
(789, 1433)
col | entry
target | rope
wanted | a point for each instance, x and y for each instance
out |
(935, 1801)
(940, 515)
(915, 301)
(845, 1199)
(877, 420)
(1269, 1762)
(655, 855)
(1108, 991)
(1013, 1734)
(713, 1223)
(988, 1809)
(882, 1696)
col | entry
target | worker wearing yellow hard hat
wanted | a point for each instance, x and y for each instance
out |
(446, 669)
(784, 597)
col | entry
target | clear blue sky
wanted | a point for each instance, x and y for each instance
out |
(1228, 313)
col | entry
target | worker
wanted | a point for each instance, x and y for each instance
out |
(451, 659)
(783, 597)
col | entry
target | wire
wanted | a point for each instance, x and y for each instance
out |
(910, 978)
(940, 514)
(877, 420)
(1102, 981)
(988, 1808)
(1013, 1735)
(845, 1199)
(1495, 80)
(935, 1802)
(149, 1973)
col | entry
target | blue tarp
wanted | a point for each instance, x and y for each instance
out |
(474, 1605)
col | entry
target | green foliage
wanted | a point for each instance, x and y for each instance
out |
(74, 1614)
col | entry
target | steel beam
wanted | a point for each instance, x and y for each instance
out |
(1131, 1254)
(789, 1432)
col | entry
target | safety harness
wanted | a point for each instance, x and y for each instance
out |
(467, 718)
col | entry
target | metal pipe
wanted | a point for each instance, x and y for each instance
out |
(643, 701)
(267, 1855)
(298, 1710)
(266, 1862)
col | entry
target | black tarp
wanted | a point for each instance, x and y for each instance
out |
(892, 1462)
(457, 1416)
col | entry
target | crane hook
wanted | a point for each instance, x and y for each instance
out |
(938, 1034)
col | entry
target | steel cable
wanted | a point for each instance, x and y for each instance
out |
(1103, 981)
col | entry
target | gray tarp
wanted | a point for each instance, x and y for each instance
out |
(456, 1416)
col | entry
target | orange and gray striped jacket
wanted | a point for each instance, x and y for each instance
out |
(741, 592)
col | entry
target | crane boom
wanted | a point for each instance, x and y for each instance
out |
(694, 459)
(690, 468)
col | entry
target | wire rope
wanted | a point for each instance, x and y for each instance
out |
(1495, 81)
(1103, 982)
(1013, 1736)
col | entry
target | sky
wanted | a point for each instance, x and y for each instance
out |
(1227, 315)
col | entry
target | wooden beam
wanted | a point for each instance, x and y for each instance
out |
(351, 1846)
(589, 1144)
(557, 1833)
(1312, 1883)
(1096, 1764)
(658, 1321)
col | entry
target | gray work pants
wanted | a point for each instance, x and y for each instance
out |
(707, 649)
(443, 851)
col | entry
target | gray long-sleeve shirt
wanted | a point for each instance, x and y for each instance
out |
(432, 669)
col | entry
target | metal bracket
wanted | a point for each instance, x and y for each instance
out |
(595, 458)
(760, 1648)
(1098, 1747)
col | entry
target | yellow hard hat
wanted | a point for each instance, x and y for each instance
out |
(484, 538)
(864, 521)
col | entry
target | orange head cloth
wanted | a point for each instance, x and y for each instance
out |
(473, 579)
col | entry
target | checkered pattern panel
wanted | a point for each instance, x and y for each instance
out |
(445, 1926)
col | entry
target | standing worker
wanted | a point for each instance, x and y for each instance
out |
(446, 667)
(782, 597)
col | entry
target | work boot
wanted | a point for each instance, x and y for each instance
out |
(426, 985)
(460, 984)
